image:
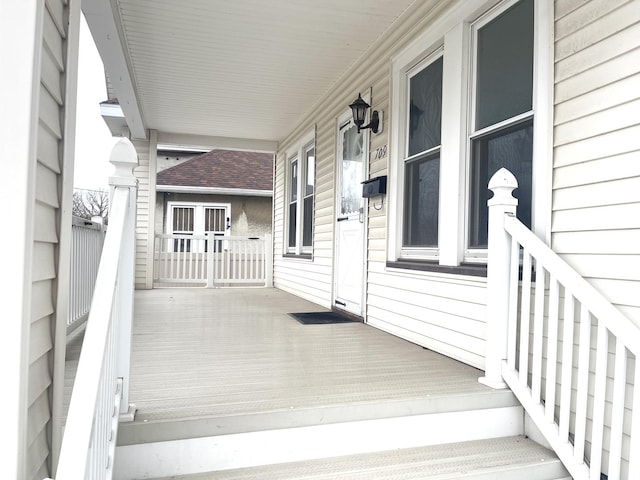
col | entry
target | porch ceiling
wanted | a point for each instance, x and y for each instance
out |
(239, 69)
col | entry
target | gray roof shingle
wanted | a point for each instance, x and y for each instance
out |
(222, 169)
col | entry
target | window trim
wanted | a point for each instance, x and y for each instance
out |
(298, 152)
(452, 32)
(405, 252)
(479, 255)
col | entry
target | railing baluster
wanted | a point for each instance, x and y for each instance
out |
(552, 350)
(567, 365)
(617, 410)
(514, 284)
(525, 318)
(538, 330)
(584, 347)
(599, 398)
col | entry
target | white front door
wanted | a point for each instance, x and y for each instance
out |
(350, 218)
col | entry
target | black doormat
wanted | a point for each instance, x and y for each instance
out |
(320, 318)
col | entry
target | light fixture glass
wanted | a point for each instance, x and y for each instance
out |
(359, 109)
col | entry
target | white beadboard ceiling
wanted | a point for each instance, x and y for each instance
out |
(231, 68)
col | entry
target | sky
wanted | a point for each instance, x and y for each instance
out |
(93, 139)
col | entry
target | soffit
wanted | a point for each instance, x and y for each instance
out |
(242, 68)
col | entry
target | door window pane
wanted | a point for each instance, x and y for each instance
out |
(352, 153)
(425, 108)
(512, 148)
(421, 202)
(505, 66)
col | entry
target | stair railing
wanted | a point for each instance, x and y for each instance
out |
(100, 391)
(566, 352)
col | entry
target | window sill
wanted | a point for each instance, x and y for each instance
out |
(298, 256)
(472, 269)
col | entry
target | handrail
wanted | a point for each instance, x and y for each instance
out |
(547, 302)
(96, 375)
(617, 323)
(102, 378)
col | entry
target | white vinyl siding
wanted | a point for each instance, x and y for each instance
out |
(47, 191)
(596, 175)
(145, 173)
(596, 180)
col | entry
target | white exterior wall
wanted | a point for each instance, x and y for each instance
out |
(145, 172)
(40, 146)
(596, 177)
(596, 184)
(439, 311)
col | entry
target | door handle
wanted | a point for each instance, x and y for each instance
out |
(342, 219)
(361, 215)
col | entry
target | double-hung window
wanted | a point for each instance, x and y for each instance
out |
(502, 115)
(422, 158)
(463, 102)
(301, 166)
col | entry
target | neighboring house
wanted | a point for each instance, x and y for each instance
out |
(549, 89)
(221, 192)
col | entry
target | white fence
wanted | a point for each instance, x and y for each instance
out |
(100, 391)
(570, 354)
(87, 239)
(218, 261)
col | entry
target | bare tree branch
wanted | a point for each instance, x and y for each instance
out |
(91, 203)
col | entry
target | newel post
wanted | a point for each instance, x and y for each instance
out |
(125, 160)
(502, 184)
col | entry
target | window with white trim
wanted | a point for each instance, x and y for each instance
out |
(197, 219)
(421, 171)
(464, 94)
(301, 160)
(502, 114)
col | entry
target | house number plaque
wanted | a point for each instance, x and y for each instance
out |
(381, 152)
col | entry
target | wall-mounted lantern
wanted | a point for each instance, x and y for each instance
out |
(359, 108)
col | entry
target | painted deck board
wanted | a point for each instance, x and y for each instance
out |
(219, 356)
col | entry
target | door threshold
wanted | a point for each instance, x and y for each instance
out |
(349, 315)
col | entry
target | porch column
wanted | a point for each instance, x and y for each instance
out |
(145, 172)
(502, 203)
(125, 159)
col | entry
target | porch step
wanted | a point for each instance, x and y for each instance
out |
(504, 458)
(150, 449)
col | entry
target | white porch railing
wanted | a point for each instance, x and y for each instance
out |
(580, 392)
(101, 386)
(212, 261)
(87, 238)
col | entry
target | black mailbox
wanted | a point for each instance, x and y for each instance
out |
(374, 187)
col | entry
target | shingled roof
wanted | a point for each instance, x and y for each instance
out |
(222, 169)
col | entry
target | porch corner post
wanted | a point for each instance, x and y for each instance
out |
(502, 203)
(125, 160)
(268, 250)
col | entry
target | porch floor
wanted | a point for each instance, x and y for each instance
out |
(210, 362)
